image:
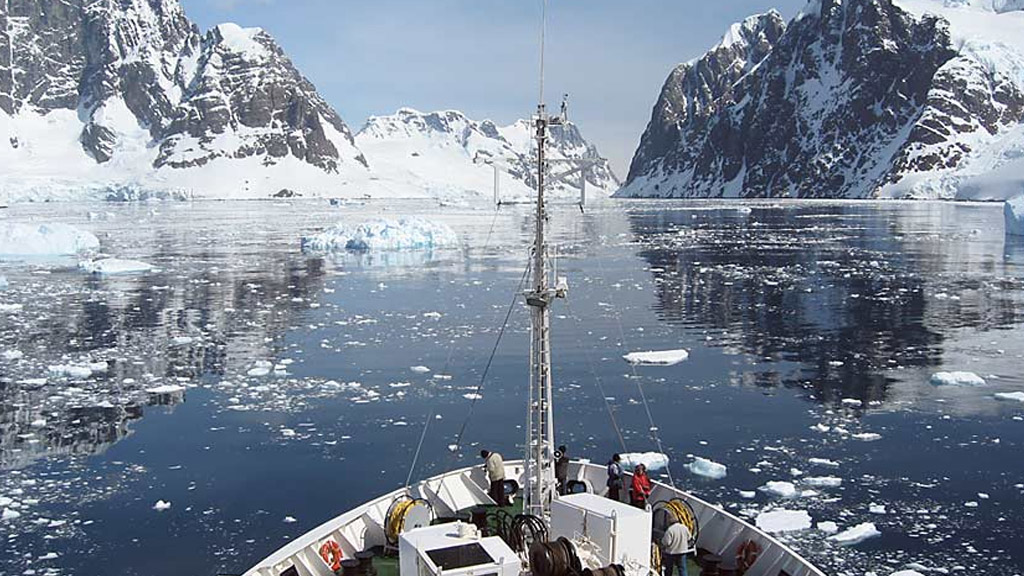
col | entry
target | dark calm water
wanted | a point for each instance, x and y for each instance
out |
(813, 328)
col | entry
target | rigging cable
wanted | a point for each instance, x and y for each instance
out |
(639, 386)
(447, 363)
(490, 359)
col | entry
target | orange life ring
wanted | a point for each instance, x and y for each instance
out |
(746, 555)
(330, 551)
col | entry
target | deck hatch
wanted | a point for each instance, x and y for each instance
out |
(464, 556)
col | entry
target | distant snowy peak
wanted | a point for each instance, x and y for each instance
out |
(157, 103)
(854, 98)
(448, 149)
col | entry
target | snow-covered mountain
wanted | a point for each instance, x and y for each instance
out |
(852, 98)
(446, 152)
(116, 97)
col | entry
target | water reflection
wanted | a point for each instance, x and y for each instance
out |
(852, 294)
(181, 326)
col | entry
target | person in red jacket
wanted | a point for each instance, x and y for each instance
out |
(641, 490)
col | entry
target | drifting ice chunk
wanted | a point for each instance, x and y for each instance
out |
(44, 240)
(957, 379)
(652, 460)
(662, 358)
(906, 573)
(706, 468)
(3, 283)
(782, 489)
(1010, 396)
(1013, 211)
(828, 527)
(824, 482)
(420, 369)
(165, 389)
(75, 372)
(160, 506)
(783, 520)
(113, 266)
(856, 535)
(9, 514)
(404, 234)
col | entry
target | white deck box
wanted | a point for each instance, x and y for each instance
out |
(429, 551)
(621, 533)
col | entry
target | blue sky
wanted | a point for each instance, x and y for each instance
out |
(480, 56)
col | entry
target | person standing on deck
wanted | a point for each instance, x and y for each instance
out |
(641, 489)
(675, 545)
(495, 466)
(562, 469)
(615, 483)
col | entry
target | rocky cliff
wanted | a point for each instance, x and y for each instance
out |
(132, 85)
(851, 99)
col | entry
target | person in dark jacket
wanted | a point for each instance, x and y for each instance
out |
(641, 489)
(562, 469)
(615, 483)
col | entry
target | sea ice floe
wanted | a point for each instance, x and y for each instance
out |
(166, 389)
(161, 506)
(828, 527)
(957, 379)
(707, 468)
(782, 520)
(866, 436)
(651, 460)
(44, 240)
(780, 488)
(115, 266)
(1010, 396)
(907, 573)
(856, 534)
(381, 234)
(657, 358)
(78, 371)
(420, 369)
(824, 462)
(877, 508)
(823, 481)
(10, 514)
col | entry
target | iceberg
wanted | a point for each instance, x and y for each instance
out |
(957, 379)
(1010, 396)
(856, 535)
(44, 240)
(651, 460)
(707, 468)
(115, 266)
(1013, 211)
(782, 520)
(662, 358)
(381, 234)
(3, 283)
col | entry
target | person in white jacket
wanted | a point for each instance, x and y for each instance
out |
(495, 466)
(675, 545)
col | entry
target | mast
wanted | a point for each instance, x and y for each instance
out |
(540, 440)
(540, 473)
